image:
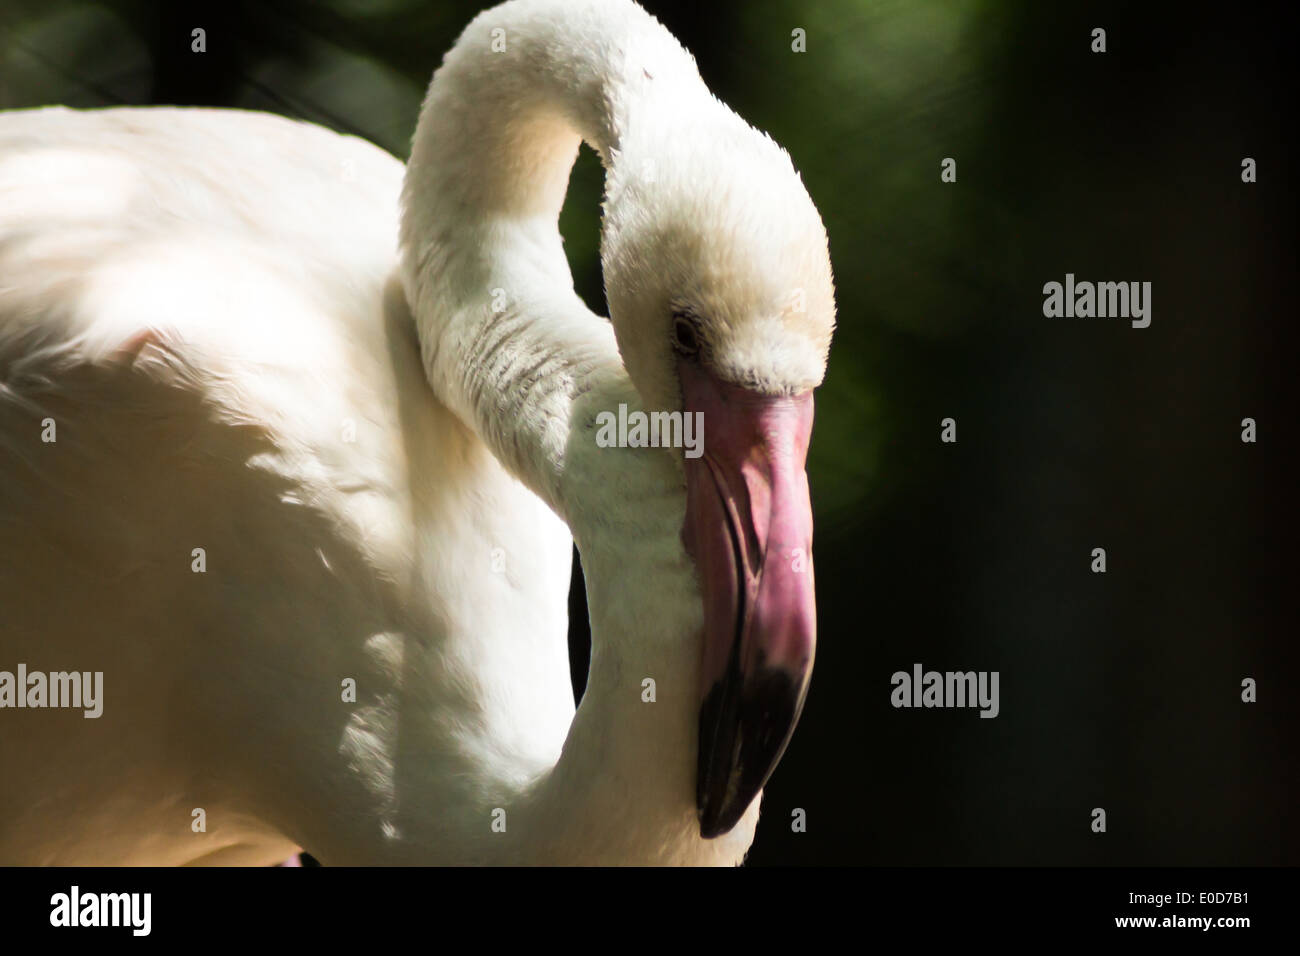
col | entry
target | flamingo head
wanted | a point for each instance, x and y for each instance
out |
(719, 284)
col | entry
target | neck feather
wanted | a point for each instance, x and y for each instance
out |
(506, 342)
(510, 348)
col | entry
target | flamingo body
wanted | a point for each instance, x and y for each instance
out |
(295, 443)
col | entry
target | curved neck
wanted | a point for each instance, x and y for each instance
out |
(510, 348)
(483, 260)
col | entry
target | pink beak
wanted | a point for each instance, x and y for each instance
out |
(749, 529)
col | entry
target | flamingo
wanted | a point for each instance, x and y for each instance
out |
(295, 443)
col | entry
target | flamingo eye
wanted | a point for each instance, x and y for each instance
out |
(686, 337)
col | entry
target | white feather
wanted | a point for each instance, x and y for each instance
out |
(213, 308)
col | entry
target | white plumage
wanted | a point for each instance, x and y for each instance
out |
(212, 309)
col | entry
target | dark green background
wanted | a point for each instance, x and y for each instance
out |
(1120, 690)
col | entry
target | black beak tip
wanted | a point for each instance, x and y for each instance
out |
(714, 823)
(742, 738)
